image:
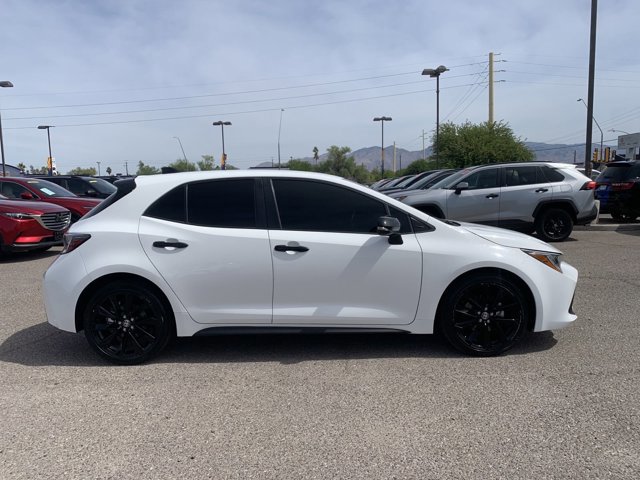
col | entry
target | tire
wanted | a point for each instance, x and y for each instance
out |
(484, 315)
(127, 323)
(554, 225)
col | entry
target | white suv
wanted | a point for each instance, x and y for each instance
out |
(546, 197)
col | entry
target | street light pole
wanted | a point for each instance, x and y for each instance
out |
(183, 154)
(601, 134)
(98, 168)
(279, 130)
(436, 72)
(621, 131)
(382, 120)
(224, 155)
(3, 84)
(50, 161)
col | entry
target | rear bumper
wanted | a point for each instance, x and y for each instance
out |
(588, 218)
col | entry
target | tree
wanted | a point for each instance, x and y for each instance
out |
(82, 171)
(207, 163)
(339, 163)
(315, 155)
(109, 170)
(146, 169)
(419, 166)
(474, 144)
(22, 167)
(38, 171)
(300, 165)
(182, 165)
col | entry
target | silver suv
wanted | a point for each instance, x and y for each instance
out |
(548, 198)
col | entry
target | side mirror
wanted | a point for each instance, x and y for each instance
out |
(26, 196)
(388, 225)
(461, 186)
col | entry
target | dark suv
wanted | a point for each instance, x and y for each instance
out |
(82, 186)
(618, 189)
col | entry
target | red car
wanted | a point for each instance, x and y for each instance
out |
(25, 188)
(32, 226)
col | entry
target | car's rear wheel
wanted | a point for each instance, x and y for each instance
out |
(127, 323)
(554, 225)
(484, 315)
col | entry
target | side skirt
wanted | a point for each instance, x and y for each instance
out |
(290, 330)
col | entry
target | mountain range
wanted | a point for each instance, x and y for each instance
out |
(370, 156)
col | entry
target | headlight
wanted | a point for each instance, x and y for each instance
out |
(19, 216)
(551, 260)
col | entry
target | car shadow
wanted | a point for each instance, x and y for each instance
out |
(19, 257)
(44, 345)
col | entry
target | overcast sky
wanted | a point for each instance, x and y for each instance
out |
(120, 79)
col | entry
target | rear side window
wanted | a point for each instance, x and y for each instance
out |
(551, 174)
(172, 206)
(222, 203)
(529, 175)
(215, 203)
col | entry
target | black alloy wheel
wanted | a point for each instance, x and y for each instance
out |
(554, 225)
(484, 315)
(126, 323)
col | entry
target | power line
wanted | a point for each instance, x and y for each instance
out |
(296, 107)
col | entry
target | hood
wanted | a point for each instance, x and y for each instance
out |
(26, 206)
(508, 238)
(417, 194)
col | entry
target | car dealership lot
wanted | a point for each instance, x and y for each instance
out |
(561, 405)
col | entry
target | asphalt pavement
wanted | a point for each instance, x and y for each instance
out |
(560, 405)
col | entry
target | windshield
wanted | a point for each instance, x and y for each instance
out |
(49, 189)
(450, 181)
(102, 186)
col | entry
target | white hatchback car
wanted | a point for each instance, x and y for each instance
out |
(255, 251)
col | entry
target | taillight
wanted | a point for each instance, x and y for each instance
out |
(73, 240)
(589, 186)
(622, 185)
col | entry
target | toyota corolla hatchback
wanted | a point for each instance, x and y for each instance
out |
(262, 251)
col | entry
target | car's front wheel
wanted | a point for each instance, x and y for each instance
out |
(127, 323)
(484, 314)
(554, 225)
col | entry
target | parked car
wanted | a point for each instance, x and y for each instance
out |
(82, 186)
(546, 197)
(393, 183)
(427, 180)
(31, 226)
(287, 251)
(618, 189)
(34, 189)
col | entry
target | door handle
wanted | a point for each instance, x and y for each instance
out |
(492, 195)
(175, 244)
(541, 190)
(290, 248)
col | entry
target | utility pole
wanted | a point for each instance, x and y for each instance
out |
(394, 157)
(592, 74)
(98, 168)
(423, 150)
(126, 168)
(490, 88)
